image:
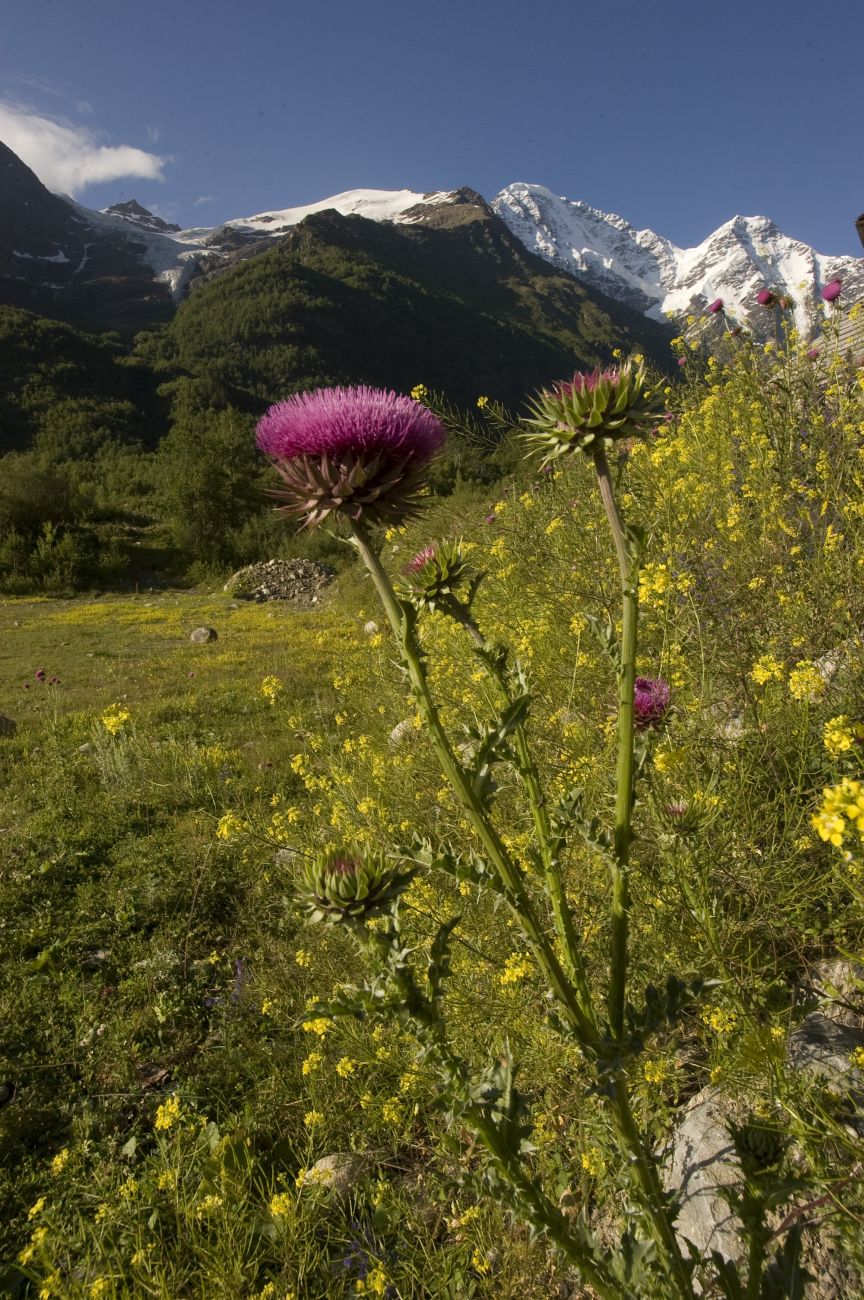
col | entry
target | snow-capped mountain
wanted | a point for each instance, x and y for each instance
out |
(53, 250)
(652, 274)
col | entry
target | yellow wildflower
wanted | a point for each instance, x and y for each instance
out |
(169, 1113)
(115, 718)
(806, 682)
(271, 688)
(516, 967)
(312, 1062)
(281, 1205)
(839, 735)
(319, 1026)
(229, 825)
(766, 668)
(60, 1161)
(593, 1162)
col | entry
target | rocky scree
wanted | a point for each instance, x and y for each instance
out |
(300, 581)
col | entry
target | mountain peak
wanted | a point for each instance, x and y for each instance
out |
(133, 211)
(649, 272)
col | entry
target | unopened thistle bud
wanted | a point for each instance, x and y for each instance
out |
(350, 885)
(591, 411)
(440, 577)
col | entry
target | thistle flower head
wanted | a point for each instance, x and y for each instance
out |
(832, 289)
(765, 298)
(353, 451)
(440, 577)
(592, 410)
(350, 885)
(651, 697)
(715, 306)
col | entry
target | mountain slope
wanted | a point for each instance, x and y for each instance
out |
(60, 260)
(653, 275)
(455, 302)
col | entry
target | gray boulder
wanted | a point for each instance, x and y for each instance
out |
(202, 635)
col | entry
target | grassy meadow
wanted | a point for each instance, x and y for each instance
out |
(169, 1096)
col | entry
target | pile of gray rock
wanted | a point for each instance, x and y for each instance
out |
(300, 581)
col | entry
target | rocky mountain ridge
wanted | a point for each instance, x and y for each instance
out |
(126, 267)
(655, 276)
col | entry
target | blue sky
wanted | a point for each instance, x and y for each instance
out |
(677, 114)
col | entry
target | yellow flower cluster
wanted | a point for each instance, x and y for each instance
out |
(842, 809)
(272, 688)
(765, 669)
(115, 718)
(655, 1071)
(319, 1026)
(839, 735)
(419, 392)
(281, 1205)
(169, 1113)
(593, 1162)
(719, 1019)
(806, 682)
(230, 826)
(516, 967)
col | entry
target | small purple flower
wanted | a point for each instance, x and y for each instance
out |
(812, 354)
(490, 519)
(353, 451)
(682, 361)
(651, 697)
(765, 298)
(715, 306)
(40, 674)
(832, 289)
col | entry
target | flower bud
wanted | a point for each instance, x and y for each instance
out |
(350, 885)
(591, 411)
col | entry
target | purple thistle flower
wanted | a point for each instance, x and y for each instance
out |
(715, 306)
(682, 361)
(812, 354)
(356, 421)
(490, 519)
(40, 674)
(765, 298)
(651, 697)
(357, 451)
(832, 289)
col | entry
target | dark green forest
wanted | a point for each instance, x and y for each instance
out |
(131, 461)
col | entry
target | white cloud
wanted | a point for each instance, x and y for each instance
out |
(68, 158)
(204, 198)
(153, 133)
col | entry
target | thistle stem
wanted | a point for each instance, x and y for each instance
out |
(508, 873)
(628, 565)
